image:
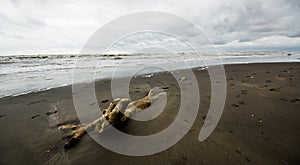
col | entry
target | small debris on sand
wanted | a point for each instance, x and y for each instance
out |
(235, 105)
(35, 116)
(148, 75)
(203, 68)
(244, 91)
(230, 131)
(275, 89)
(50, 113)
(268, 81)
(192, 130)
(183, 79)
(104, 101)
(165, 87)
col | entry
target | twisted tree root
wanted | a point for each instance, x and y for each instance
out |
(117, 112)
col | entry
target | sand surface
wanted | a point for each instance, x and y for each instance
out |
(259, 125)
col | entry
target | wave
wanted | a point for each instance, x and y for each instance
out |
(38, 73)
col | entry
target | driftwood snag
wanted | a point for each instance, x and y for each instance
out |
(117, 113)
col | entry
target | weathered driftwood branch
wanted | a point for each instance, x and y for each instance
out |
(116, 114)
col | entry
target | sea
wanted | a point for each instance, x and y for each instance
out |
(22, 74)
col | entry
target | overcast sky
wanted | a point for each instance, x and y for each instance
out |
(63, 26)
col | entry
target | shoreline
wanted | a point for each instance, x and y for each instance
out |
(259, 125)
(140, 75)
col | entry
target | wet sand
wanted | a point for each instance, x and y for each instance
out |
(259, 125)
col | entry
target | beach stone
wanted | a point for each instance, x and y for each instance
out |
(183, 79)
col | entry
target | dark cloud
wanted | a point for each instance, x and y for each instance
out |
(294, 35)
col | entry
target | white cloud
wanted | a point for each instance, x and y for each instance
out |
(52, 26)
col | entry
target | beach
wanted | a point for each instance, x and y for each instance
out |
(259, 124)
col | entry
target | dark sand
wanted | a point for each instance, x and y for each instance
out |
(260, 123)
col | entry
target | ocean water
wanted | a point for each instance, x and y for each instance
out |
(25, 74)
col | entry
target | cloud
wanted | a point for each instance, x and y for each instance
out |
(253, 20)
(49, 26)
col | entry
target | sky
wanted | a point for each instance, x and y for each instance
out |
(64, 26)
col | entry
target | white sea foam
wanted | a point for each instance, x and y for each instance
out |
(24, 74)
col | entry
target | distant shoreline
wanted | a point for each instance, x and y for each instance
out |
(284, 51)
